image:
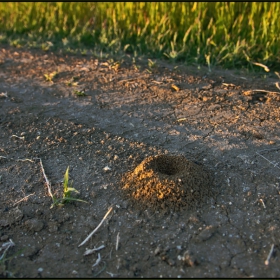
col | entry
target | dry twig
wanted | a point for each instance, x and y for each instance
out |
(25, 159)
(6, 247)
(269, 255)
(274, 164)
(111, 274)
(268, 150)
(90, 251)
(46, 179)
(110, 209)
(18, 137)
(118, 240)
(261, 200)
(23, 199)
(97, 261)
(248, 92)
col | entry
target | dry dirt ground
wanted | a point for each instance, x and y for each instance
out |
(224, 121)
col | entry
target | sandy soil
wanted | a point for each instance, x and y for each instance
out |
(225, 121)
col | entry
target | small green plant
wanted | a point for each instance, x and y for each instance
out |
(80, 92)
(16, 43)
(49, 77)
(84, 52)
(72, 82)
(207, 57)
(46, 45)
(173, 54)
(151, 64)
(67, 192)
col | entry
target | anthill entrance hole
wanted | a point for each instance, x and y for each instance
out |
(166, 165)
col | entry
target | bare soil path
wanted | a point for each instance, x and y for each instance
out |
(227, 122)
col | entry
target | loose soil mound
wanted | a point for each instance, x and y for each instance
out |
(167, 182)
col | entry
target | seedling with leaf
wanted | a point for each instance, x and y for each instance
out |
(67, 192)
(115, 66)
(72, 81)
(151, 64)
(207, 57)
(49, 77)
(84, 52)
(80, 93)
(66, 189)
(46, 45)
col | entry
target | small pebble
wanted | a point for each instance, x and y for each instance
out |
(206, 233)
(4, 238)
(40, 270)
(157, 250)
(106, 168)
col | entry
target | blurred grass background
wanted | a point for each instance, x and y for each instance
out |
(230, 34)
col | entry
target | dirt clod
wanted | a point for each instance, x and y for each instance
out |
(166, 182)
(188, 259)
(34, 225)
(206, 233)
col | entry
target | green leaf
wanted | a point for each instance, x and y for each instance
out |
(65, 181)
(72, 190)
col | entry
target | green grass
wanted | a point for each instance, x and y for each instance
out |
(79, 93)
(231, 34)
(67, 192)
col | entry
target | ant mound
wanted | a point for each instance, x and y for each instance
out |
(167, 182)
